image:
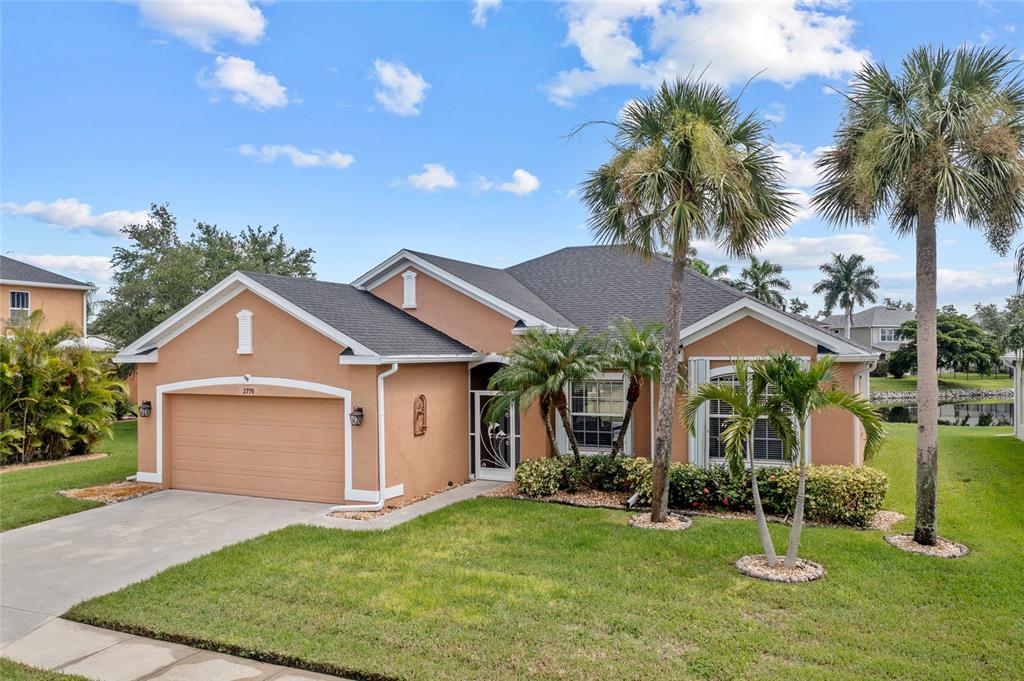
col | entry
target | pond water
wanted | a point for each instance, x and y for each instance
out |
(954, 413)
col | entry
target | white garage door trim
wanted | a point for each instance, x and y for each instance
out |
(345, 395)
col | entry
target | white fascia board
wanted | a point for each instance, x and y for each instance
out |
(769, 315)
(523, 330)
(220, 294)
(42, 284)
(408, 359)
(384, 271)
(128, 358)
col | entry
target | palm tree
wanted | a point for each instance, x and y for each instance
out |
(719, 272)
(750, 401)
(540, 366)
(637, 352)
(848, 282)
(804, 391)
(687, 164)
(943, 139)
(763, 280)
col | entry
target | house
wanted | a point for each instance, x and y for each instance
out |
(874, 327)
(25, 288)
(372, 391)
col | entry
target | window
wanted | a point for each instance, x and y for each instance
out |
(887, 335)
(767, 445)
(19, 304)
(409, 289)
(597, 408)
(244, 332)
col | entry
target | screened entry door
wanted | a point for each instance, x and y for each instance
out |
(494, 444)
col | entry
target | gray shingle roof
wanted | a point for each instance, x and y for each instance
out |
(377, 324)
(880, 315)
(15, 270)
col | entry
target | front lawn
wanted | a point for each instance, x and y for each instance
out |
(28, 496)
(15, 671)
(496, 588)
(946, 382)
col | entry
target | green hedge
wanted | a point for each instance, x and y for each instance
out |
(835, 494)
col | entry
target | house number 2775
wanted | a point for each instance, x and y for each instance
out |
(248, 391)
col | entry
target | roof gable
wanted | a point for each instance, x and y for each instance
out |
(16, 271)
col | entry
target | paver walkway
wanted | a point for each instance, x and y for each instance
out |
(48, 567)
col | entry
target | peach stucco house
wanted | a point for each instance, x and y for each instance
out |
(25, 288)
(372, 391)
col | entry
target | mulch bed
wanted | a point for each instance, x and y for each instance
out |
(758, 568)
(885, 520)
(673, 522)
(112, 493)
(370, 515)
(943, 548)
(586, 498)
(10, 468)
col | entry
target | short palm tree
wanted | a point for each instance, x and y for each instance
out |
(687, 165)
(637, 352)
(942, 139)
(540, 366)
(805, 391)
(750, 401)
(763, 280)
(718, 272)
(848, 281)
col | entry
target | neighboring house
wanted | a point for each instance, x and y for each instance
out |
(303, 389)
(874, 327)
(25, 288)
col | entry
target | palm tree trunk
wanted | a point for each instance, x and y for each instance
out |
(567, 427)
(667, 395)
(762, 522)
(632, 394)
(798, 512)
(849, 320)
(927, 380)
(545, 413)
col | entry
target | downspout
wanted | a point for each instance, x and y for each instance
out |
(381, 452)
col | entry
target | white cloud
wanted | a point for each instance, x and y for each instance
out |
(807, 253)
(434, 176)
(953, 281)
(268, 153)
(72, 214)
(776, 112)
(728, 42)
(480, 10)
(400, 90)
(248, 85)
(202, 23)
(523, 182)
(94, 268)
(799, 164)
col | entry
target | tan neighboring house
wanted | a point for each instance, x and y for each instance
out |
(874, 327)
(373, 391)
(25, 288)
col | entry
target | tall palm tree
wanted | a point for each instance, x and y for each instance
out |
(942, 139)
(763, 280)
(848, 281)
(540, 366)
(804, 391)
(750, 401)
(719, 272)
(637, 352)
(687, 164)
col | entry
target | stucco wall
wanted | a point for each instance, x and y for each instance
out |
(60, 305)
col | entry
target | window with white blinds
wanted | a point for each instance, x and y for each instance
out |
(767, 445)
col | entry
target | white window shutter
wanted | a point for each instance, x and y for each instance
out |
(409, 290)
(697, 369)
(244, 332)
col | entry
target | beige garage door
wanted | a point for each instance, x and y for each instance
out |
(280, 447)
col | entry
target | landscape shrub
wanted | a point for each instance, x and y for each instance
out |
(881, 369)
(539, 477)
(846, 495)
(544, 477)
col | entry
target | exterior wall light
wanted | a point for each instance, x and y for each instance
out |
(356, 417)
(145, 409)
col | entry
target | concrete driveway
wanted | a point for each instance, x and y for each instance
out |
(48, 567)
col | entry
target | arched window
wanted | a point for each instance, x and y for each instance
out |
(768, 446)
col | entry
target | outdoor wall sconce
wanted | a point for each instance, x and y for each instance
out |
(145, 409)
(356, 417)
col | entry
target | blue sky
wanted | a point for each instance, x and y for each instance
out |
(363, 128)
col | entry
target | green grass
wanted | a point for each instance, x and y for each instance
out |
(15, 671)
(494, 588)
(946, 382)
(28, 496)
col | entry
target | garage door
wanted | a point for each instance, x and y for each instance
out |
(280, 447)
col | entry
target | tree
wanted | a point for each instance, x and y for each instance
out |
(848, 281)
(797, 306)
(687, 164)
(157, 274)
(961, 344)
(750, 401)
(898, 304)
(763, 280)
(637, 352)
(804, 392)
(997, 321)
(540, 366)
(942, 139)
(719, 272)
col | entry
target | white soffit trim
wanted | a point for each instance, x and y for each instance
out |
(408, 359)
(748, 308)
(386, 269)
(43, 284)
(224, 291)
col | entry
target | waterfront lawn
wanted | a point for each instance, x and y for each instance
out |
(946, 382)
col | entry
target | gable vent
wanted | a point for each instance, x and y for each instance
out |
(409, 289)
(244, 332)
